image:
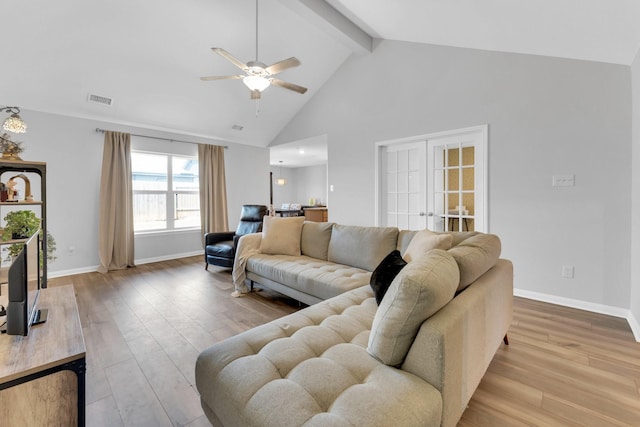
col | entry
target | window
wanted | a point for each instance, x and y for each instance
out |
(165, 192)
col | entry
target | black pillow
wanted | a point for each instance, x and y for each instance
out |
(385, 272)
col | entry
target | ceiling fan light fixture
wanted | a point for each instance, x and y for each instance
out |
(258, 83)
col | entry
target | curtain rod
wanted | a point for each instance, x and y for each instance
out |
(158, 137)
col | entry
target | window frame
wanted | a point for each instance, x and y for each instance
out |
(169, 193)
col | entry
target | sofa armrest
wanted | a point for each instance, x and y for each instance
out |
(213, 238)
(454, 347)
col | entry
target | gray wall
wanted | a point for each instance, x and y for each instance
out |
(73, 152)
(546, 116)
(635, 199)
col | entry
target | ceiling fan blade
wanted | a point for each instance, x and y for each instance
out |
(280, 66)
(287, 85)
(221, 78)
(235, 61)
(255, 94)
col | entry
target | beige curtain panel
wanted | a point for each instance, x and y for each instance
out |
(213, 189)
(115, 234)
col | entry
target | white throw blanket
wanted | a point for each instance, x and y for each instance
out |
(248, 245)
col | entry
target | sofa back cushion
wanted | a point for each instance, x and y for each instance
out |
(422, 287)
(424, 241)
(406, 236)
(362, 247)
(281, 236)
(315, 239)
(475, 256)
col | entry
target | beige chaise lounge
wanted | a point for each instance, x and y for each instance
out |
(415, 360)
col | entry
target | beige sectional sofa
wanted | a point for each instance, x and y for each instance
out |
(414, 360)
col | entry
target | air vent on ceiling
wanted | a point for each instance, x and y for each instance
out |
(97, 99)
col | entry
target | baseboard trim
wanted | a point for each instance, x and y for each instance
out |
(635, 325)
(584, 305)
(170, 257)
(71, 272)
(93, 269)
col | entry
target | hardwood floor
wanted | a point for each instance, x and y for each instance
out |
(144, 327)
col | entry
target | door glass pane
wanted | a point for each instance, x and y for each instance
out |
(392, 161)
(468, 201)
(403, 160)
(392, 185)
(403, 182)
(414, 203)
(403, 222)
(403, 203)
(438, 180)
(415, 222)
(468, 178)
(414, 181)
(392, 220)
(438, 157)
(392, 203)
(414, 159)
(454, 157)
(468, 156)
(454, 180)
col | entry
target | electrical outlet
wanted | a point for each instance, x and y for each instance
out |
(567, 271)
(564, 181)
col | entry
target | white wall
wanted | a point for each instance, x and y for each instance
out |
(311, 182)
(73, 152)
(546, 116)
(302, 184)
(635, 200)
(283, 193)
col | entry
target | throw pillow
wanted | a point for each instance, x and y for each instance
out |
(385, 272)
(424, 241)
(421, 288)
(314, 241)
(281, 236)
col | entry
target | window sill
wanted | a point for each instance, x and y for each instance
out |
(152, 233)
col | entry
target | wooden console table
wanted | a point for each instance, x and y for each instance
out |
(42, 375)
(316, 214)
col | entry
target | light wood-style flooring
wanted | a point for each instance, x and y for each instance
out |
(144, 328)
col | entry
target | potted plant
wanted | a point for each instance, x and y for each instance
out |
(21, 225)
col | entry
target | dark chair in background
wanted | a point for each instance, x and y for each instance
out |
(220, 248)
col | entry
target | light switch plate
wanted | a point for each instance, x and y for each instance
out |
(567, 271)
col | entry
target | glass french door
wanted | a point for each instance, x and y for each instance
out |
(403, 186)
(456, 177)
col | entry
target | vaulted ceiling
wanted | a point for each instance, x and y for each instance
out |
(148, 55)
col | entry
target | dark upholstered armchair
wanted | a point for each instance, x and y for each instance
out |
(220, 248)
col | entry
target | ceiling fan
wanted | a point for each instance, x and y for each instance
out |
(258, 76)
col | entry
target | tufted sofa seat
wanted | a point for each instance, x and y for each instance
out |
(320, 278)
(312, 369)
